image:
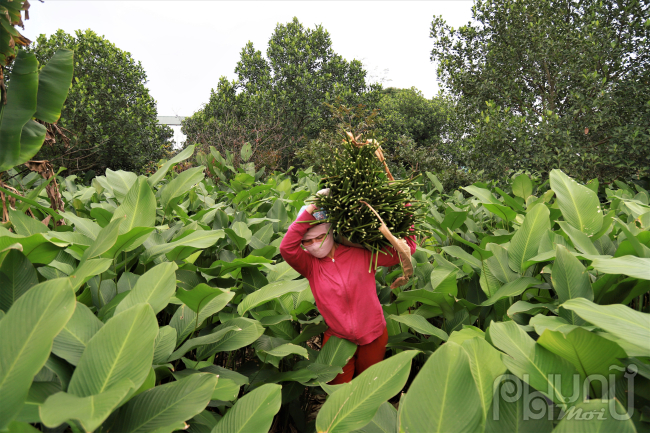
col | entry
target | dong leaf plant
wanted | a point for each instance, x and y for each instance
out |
(163, 304)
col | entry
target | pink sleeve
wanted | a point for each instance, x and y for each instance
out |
(290, 249)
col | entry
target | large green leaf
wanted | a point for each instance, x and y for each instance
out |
(71, 342)
(121, 349)
(38, 248)
(443, 396)
(525, 242)
(17, 276)
(211, 338)
(167, 404)
(24, 225)
(164, 345)
(570, 280)
(21, 106)
(162, 171)
(622, 321)
(199, 296)
(336, 352)
(420, 324)
(183, 247)
(89, 411)
(233, 340)
(628, 265)
(253, 412)
(486, 366)
(522, 186)
(155, 287)
(180, 185)
(511, 411)
(121, 182)
(270, 292)
(354, 404)
(26, 333)
(138, 208)
(498, 264)
(513, 288)
(542, 369)
(53, 85)
(579, 204)
(128, 241)
(586, 418)
(384, 421)
(106, 238)
(588, 352)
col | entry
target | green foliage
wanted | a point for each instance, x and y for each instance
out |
(278, 101)
(10, 38)
(33, 94)
(198, 320)
(548, 84)
(109, 117)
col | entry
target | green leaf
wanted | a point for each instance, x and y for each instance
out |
(486, 366)
(628, 265)
(288, 349)
(83, 225)
(498, 264)
(443, 396)
(514, 288)
(27, 332)
(589, 353)
(128, 241)
(336, 352)
(90, 411)
(453, 220)
(121, 349)
(211, 338)
(180, 185)
(121, 182)
(71, 342)
(354, 404)
(24, 225)
(579, 204)
(162, 171)
(138, 208)
(167, 404)
(233, 340)
(199, 296)
(87, 270)
(185, 246)
(522, 186)
(526, 240)
(53, 85)
(253, 412)
(155, 287)
(164, 344)
(270, 292)
(384, 421)
(21, 106)
(512, 415)
(106, 238)
(580, 240)
(37, 248)
(420, 324)
(542, 369)
(17, 276)
(503, 212)
(570, 280)
(623, 322)
(579, 423)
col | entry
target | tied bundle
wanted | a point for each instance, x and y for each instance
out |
(365, 205)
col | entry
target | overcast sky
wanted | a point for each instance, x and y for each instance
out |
(186, 46)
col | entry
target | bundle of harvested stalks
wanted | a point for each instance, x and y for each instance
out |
(358, 183)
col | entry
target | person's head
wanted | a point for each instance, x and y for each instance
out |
(318, 240)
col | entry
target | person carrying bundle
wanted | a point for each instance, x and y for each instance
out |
(344, 289)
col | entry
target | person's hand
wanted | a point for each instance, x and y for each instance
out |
(324, 191)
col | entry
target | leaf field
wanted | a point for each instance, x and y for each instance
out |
(163, 304)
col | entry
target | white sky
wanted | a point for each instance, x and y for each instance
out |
(185, 46)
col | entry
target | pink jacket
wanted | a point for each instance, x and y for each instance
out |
(344, 290)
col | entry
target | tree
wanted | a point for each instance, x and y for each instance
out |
(549, 84)
(283, 93)
(109, 116)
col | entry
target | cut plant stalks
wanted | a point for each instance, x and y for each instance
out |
(358, 188)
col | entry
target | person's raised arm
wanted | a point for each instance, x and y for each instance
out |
(290, 249)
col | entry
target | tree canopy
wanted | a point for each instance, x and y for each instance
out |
(109, 117)
(279, 98)
(549, 84)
